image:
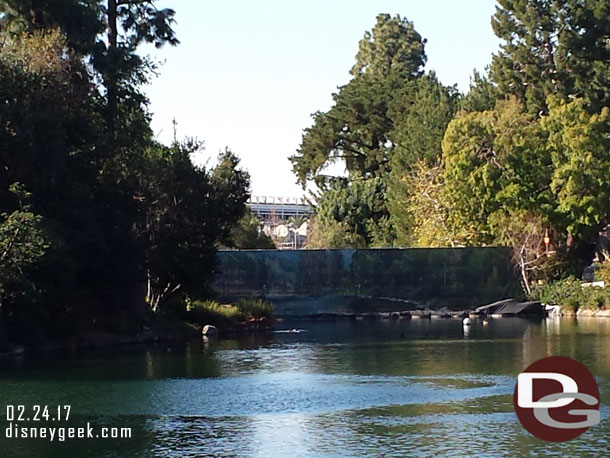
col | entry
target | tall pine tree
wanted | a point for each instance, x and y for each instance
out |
(557, 47)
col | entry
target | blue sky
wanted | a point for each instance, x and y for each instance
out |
(248, 74)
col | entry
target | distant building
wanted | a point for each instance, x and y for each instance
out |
(283, 219)
(274, 210)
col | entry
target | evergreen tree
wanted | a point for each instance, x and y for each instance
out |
(108, 32)
(79, 20)
(357, 126)
(392, 47)
(481, 96)
(553, 48)
(421, 112)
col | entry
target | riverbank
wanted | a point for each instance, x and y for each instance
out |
(153, 331)
(247, 315)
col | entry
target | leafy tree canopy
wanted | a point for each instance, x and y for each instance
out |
(579, 146)
(494, 161)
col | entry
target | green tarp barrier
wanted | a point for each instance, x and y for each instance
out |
(452, 277)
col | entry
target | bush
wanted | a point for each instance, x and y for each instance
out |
(568, 292)
(560, 292)
(602, 273)
(596, 298)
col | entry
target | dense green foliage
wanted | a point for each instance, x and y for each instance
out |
(520, 160)
(99, 223)
(352, 214)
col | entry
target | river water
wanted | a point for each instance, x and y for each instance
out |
(345, 389)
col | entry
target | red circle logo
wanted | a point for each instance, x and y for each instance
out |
(556, 399)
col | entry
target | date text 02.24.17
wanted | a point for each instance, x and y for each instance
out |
(37, 413)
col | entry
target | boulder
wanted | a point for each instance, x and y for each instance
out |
(406, 315)
(209, 330)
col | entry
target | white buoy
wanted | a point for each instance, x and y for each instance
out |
(466, 321)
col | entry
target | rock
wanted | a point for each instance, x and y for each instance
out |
(604, 313)
(324, 316)
(421, 314)
(394, 316)
(405, 315)
(209, 330)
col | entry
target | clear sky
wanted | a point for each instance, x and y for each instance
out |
(249, 73)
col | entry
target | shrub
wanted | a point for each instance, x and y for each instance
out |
(603, 272)
(561, 292)
(596, 298)
(568, 292)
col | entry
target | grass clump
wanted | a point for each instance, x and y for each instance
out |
(256, 308)
(212, 312)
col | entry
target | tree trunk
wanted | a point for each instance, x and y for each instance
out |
(111, 82)
(523, 267)
(154, 296)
